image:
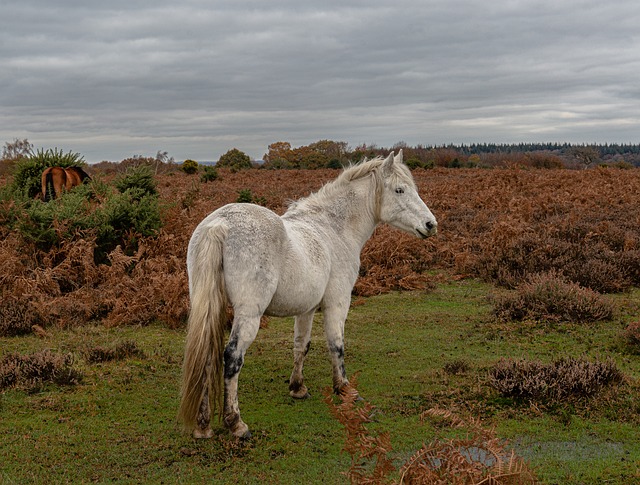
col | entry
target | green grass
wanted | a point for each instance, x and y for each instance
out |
(119, 424)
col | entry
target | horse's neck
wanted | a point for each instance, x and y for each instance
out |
(348, 213)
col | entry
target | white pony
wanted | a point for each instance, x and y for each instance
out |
(294, 264)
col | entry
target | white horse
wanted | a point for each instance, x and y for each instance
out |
(294, 264)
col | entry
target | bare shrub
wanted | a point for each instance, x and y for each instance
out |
(30, 372)
(548, 296)
(554, 382)
(480, 458)
(366, 451)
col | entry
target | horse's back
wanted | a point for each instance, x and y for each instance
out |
(282, 269)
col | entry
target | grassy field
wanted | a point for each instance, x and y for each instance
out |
(118, 425)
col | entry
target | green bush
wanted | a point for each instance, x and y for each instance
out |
(47, 224)
(140, 179)
(189, 166)
(28, 172)
(246, 196)
(94, 210)
(209, 174)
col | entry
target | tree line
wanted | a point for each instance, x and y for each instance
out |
(337, 154)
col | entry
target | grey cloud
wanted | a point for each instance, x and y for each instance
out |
(199, 78)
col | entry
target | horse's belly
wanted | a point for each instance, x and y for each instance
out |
(295, 300)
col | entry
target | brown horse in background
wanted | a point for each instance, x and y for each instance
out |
(55, 179)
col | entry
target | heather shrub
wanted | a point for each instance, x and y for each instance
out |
(32, 371)
(561, 379)
(16, 317)
(121, 351)
(550, 297)
(632, 336)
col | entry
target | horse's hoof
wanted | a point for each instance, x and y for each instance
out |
(302, 393)
(241, 431)
(202, 433)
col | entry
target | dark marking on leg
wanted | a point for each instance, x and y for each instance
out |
(337, 350)
(232, 361)
(306, 350)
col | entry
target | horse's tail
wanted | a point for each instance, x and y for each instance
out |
(49, 189)
(205, 330)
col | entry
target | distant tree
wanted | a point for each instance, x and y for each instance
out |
(235, 159)
(17, 149)
(279, 155)
(333, 150)
(585, 155)
(163, 157)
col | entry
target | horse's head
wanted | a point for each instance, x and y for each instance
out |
(400, 205)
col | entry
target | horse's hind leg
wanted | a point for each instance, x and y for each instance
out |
(243, 333)
(301, 344)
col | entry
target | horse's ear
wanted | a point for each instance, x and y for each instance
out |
(387, 165)
(398, 157)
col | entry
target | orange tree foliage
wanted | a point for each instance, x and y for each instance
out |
(502, 225)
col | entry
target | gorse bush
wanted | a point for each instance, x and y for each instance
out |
(189, 166)
(139, 179)
(209, 174)
(95, 210)
(550, 297)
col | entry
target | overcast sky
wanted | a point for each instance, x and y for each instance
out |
(117, 78)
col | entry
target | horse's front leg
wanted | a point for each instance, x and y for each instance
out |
(301, 345)
(243, 334)
(334, 318)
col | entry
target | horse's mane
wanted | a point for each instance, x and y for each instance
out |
(350, 174)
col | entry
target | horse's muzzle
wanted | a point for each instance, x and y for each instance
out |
(430, 229)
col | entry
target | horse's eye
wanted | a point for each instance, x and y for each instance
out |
(399, 190)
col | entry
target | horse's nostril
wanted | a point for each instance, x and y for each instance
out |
(430, 225)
